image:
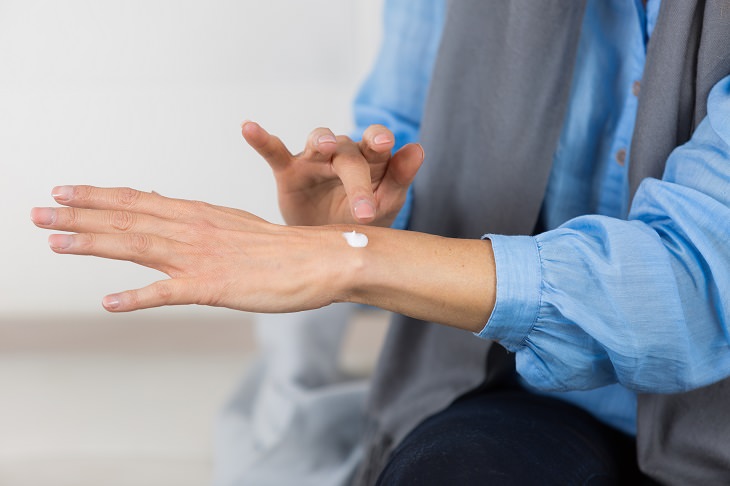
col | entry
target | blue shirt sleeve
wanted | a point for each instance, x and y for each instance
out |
(645, 301)
(394, 93)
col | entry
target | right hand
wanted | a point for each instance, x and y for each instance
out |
(336, 180)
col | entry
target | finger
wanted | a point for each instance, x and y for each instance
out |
(164, 292)
(321, 145)
(144, 249)
(121, 198)
(404, 166)
(79, 220)
(271, 148)
(377, 143)
(354, 172)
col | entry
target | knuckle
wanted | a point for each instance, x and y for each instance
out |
(82, 193)
(133, 299)
(126, 197)
(85, 241)
(349, 162)
(343, 139)
(177, 210)
(271, 147)
(72, 217)
(178, 213)
(163, 291)
(122, 220)
(202, 227)
(139, 243)
(198, 207)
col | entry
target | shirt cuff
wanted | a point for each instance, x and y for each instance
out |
(519, 284)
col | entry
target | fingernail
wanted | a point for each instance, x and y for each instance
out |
(60, 242)
(364, 209)
(326, 139)
(111, 302)
(44, 216)
(62, 193)
(381, 138)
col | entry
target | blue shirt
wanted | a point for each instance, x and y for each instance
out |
(613, 299)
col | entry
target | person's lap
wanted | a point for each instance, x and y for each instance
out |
(512, 437)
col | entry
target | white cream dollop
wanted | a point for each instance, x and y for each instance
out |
(355, 239)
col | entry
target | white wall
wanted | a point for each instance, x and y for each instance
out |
(150, 94)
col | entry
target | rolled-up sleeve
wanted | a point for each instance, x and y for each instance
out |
(645, 301)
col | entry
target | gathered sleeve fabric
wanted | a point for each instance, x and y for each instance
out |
(644, 302)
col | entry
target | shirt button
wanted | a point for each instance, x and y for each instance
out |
(636, 88)
(621, 156)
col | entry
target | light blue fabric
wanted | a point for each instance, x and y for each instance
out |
(586, 178)
(636, 296)
(394, 93)
(643, 301)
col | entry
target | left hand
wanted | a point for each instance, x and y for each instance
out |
(336, 180)
(214, 255)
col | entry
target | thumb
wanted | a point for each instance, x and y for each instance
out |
(403, 167)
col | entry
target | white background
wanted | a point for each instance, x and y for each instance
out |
(150, 94)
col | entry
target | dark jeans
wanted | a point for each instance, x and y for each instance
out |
(513, 437)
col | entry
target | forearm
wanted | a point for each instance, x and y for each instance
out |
(445, 280)
(229, 258)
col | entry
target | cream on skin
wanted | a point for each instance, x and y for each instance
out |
(355, 239)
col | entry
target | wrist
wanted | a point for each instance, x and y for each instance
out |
(348, 259)
(445, 280)
(338, 266)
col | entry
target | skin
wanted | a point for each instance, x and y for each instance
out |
(336, 180)
(231, 258)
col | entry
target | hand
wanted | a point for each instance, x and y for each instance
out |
(336, 180)
(214, 255)
(230, 258)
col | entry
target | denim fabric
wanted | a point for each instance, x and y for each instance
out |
(488, 437)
